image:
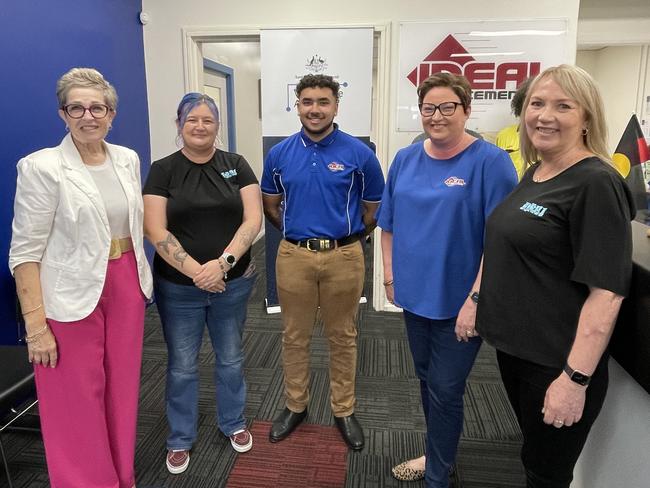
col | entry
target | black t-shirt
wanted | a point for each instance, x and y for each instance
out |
(204, 206)
(545, 245)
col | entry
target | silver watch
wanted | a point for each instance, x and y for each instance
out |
(229, 259)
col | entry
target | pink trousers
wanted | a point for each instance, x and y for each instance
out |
(88, 404)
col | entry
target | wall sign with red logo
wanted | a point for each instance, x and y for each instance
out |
(495, 56)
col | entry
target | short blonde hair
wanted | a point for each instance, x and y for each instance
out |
(580, 87)
(85, 78)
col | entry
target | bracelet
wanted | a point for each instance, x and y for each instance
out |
(223, 269)
(32, 310)
(388, 282)
(34, 337)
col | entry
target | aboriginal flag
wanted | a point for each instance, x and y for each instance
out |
(632, 148)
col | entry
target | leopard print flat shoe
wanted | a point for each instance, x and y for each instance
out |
(403, 472)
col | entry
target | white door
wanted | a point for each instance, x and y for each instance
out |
(214, 85)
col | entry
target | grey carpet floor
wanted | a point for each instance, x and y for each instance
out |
(388, 407)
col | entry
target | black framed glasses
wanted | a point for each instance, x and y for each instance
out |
(77, 111)
(446, 108)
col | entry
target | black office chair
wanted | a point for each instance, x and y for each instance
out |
(17, 393)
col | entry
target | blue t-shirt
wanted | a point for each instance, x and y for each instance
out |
(436, 210)
(323, 184)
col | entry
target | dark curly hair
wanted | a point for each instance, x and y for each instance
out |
(318, 81)
(517, 102)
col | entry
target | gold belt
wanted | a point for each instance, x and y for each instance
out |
(118, 246)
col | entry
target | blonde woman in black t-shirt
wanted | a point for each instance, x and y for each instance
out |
(557, 265)
(202, 212)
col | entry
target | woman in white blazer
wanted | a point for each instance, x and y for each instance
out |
(82, 279)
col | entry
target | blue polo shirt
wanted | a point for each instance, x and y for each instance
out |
(436, 210)
(323, 184)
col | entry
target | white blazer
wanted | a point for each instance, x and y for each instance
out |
(60, 222)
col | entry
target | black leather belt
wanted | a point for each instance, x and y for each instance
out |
(317, 244)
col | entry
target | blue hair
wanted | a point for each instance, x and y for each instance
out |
(189, 102)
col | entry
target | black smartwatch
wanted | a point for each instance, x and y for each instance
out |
(473, 295)
(229, 259)
(576, 376)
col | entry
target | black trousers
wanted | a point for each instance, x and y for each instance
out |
(549, 454)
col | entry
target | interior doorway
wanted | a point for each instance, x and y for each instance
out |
(237, 64)
(218, 84)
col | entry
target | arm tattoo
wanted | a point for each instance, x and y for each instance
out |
(180, 255)
(170, 241)
(245, 237)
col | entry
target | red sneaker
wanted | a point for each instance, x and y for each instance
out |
(177, 461)
(241, 441)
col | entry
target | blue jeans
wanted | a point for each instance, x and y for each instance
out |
(184, 312)
(442, 364)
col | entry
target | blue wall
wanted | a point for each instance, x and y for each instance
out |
(39, 41)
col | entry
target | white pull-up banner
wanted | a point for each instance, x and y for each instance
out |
(288, 55)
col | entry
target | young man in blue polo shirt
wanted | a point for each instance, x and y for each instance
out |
(321, 188)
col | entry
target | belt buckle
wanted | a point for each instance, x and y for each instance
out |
(115, 251)
(309, 241)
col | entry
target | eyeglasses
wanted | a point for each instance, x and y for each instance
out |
(77, 111)
(446, 108)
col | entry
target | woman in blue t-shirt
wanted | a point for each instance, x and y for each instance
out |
(436, 200)
(202, 212)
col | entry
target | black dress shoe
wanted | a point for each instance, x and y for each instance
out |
(285, 423)
(351, 431)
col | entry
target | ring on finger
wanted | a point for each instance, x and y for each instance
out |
(558, 422)
(469, 332)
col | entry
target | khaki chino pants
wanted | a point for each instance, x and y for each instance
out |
(332, 280)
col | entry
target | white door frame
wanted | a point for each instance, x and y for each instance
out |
(226, 73)
(193, 76)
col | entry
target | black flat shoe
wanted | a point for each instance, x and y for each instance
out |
(285, 423)
(351, 431)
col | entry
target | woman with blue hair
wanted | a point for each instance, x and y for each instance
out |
(202, 212)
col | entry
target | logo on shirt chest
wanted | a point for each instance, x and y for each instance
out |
(533, 208)
(455, 181)
(334, 167)
(229, 174)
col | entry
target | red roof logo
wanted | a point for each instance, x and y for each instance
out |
(450, 56)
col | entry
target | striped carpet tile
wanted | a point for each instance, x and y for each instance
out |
(312, 456)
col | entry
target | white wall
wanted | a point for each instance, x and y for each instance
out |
(244, 59)
(164, 53)
(620, 73)
(588, 60)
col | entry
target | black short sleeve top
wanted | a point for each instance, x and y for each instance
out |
(204, 206)
(546, 244)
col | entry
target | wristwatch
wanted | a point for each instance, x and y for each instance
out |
(473, 295)
(229, 259)
(576, 376)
